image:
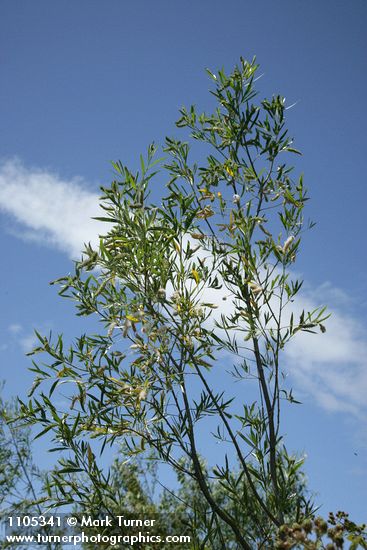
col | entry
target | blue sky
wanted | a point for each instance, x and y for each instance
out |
(87, 82)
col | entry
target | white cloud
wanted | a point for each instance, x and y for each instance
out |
(23, 338)
(50, 210)
(331, 367)
(28, 342)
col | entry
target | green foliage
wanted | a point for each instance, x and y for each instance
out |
(19, 476)
(131, 491)
(21, 481)
(183, 287)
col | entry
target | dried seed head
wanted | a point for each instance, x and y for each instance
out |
(320, 526)
(255, 288)
(142, 394)
(288, 243)
(307, 525)
(111, 328)
(126, 326)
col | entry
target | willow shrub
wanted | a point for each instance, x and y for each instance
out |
(192, 291)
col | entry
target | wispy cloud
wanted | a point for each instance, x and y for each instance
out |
(24, 338)
(330, 367)
(28, 342)
(49, 209)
